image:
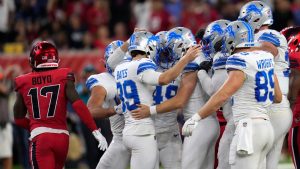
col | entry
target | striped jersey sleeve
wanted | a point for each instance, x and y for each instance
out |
(91, 82)
(146, 65)
(235, 63)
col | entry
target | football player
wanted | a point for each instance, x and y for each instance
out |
(44, 94)
(254, 87)
(211, 42)
(293, 36)
(104, 103)
(135, 84)
(190, 97)
(259, 16)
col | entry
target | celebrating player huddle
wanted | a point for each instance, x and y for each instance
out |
(240, 68)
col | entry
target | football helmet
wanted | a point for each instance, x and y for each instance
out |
(179, 39)
(238, 34)
(109, 51)
(139, 41)
(163, 57)
(266, 11)
(43, 54)
(252, 14)
(294, 50)
(212, 38)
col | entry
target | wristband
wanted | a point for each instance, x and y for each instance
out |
(153, 110)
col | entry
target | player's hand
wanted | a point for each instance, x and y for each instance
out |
(139, 29)
(101, 139)
(141, 112)
(205, 65)
(118, 109)
(190, 125)
(192, 53)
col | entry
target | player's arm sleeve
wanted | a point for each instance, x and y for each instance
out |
(205, 81)
(20, 112)
(147, 73)
(235, 63)
(77, 104)
(116, 58)
(269, 37)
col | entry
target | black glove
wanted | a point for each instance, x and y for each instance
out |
(205, 65)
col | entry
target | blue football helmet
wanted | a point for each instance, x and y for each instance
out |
(252, 14)
(179, 39)
(267, 16)
(139, 41)
(163, 57)
(238, 34)
(213, 34)
(109, 51)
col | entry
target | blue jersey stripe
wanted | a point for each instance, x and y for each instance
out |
(90, 82)
(145, 66)
(235, 63)
(286, 73)
(191, 67)
(236, 59)
(270, 38)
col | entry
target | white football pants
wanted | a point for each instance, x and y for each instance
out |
(199, 149)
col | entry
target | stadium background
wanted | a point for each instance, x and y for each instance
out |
(82, 28)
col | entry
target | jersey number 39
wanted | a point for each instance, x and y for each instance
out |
(128, 95)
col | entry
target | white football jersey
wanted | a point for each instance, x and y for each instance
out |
(133, 91)
(281, 68)
(107, 81)
(165, 121)
(257, 92)
(219, 77)
(199, 96)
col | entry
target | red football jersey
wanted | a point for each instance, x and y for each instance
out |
(44, 96)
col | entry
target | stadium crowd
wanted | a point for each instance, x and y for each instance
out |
(92, 24)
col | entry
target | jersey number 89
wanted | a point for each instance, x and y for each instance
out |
(128, 95)
(262, 90)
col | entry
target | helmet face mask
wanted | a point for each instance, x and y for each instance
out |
(212, 38)
(43, 55)
(109, 51)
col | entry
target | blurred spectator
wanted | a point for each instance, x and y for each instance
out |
(282, 15)
(160, 19)
(59, 35)
(6, 132)
(174, 7)
(229, 11)
(102, 39)
(76, 7)
(76, 32)
(88, 41)
(296, 12)
(119, 12)
(141, 11)
(7, 8)
(97, 14)
(120, 32)
(197, 14)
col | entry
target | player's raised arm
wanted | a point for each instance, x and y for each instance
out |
(175, 71)
(83, 112)
(187, 86)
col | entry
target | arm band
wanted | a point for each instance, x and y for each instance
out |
(84, 114)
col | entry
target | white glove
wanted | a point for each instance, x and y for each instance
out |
(118, 109)
(190, 125)
(102, 141)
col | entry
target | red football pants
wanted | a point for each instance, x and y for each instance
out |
(49, 151)
(294, 145)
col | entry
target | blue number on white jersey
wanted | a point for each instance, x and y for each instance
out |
(128, 95)
(171, 91)
(262, 81)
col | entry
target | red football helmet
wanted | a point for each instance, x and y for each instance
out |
(43, 55)
(288, 32)
(294, 50)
